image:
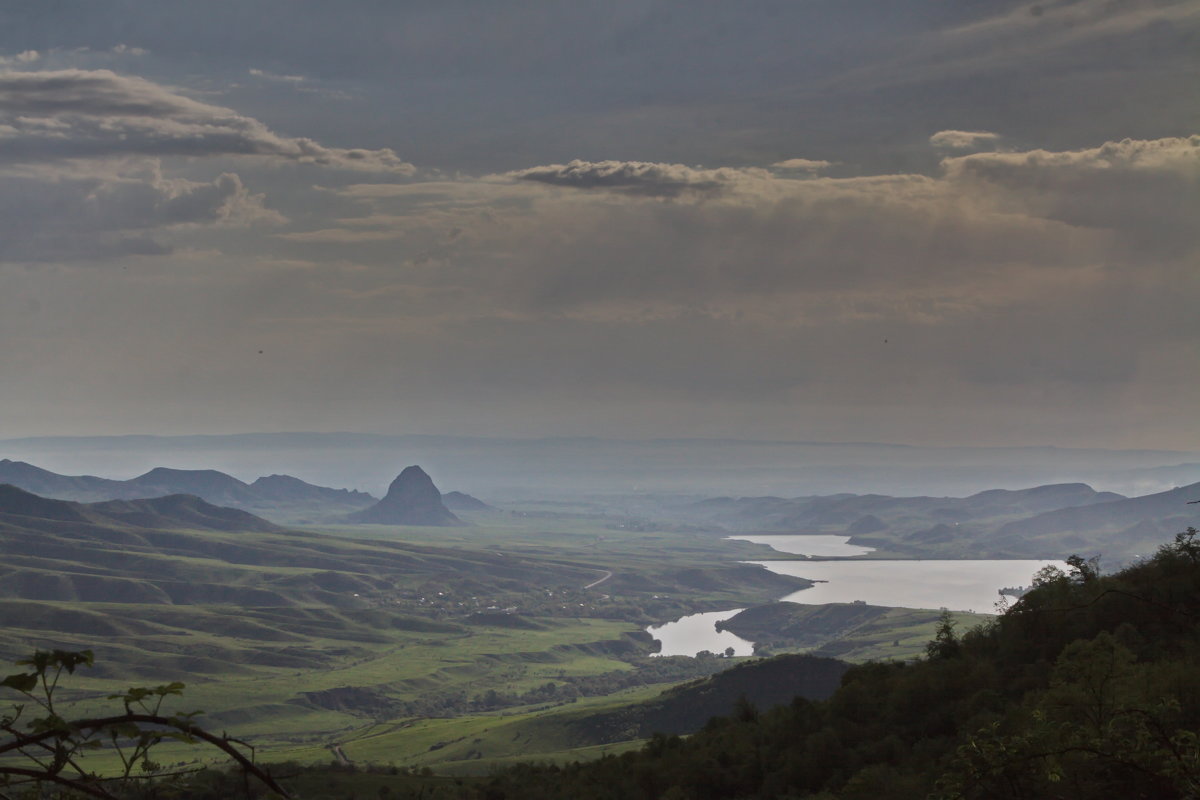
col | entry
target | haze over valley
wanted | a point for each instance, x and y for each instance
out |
(466, 401)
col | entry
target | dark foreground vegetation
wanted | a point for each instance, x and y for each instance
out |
(1085, 688)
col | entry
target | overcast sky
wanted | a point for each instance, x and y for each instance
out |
(925, 222)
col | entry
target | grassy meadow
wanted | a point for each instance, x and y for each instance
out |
(454, 648)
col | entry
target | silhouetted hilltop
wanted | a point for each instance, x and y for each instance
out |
(28, 511)
(286, 489)
(268, 494)
(84, 488)
(20, 503)
(1038, 499)
(412, 499)
(180, 511)
(461, 501)
(1119, 529)
(985, 524)
(214, 486)
(846, 510)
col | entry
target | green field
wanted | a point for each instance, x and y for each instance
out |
(457, 648)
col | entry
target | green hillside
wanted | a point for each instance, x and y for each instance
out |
(1084, 689)
(471, 649)
(299, 639)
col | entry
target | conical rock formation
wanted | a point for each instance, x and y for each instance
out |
(412, 499)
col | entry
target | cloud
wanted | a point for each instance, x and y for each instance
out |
(976, 262)
(637, 177)
(627, 236)
(803, 164)
(98, 113)
(114, 213)
(271, 76)
(964, 140)
(1041, 39)
(24, 57)
(301, 84)
(1146, 192)
(1160, 156)
(968, 299)
(341, 236)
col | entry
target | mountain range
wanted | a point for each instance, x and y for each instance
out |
(282, 498)
(268, 494)
(164, 565)
(412, 499)
(22, 510)
(1041, 522)
(562, 468)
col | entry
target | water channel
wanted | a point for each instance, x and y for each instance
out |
(815, 545)
(960, 585)
(697, 632)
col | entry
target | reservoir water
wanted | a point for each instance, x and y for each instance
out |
(696, 632)
(819, 545)
(956, 585)
(959, 585)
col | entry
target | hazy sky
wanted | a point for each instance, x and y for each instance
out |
(924, 221)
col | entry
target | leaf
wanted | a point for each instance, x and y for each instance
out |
(42, 660)
(128, 730)
(69, 660)
(133, 695)
(22, 682)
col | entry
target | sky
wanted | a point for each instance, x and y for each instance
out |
(823, 220)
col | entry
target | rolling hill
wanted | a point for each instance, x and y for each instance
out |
(282, 496)
(126, 561)
(1041, 522)
(1120, 529)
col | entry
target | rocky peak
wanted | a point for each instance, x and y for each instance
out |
(412, 499)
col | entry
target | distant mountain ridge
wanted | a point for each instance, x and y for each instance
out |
(179, 550)
(461, 501)
(535, 468)
(215, 487)
(24, 510)
(1120, 529)
(882, 511)
(1042, 522)
(412, 499)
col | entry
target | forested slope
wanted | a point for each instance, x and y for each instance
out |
(1086, 688)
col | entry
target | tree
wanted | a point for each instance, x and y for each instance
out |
(1083, 570)
(945, 642)
(43, 748)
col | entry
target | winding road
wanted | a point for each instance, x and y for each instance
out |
(607, 574)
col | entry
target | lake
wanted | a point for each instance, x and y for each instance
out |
(819, 545)
(696, 632)
(959, 585)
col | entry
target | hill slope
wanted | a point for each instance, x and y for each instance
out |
(1084, 689)
(684, 709)
(25, 510)
(281, 496)
(1120, 529)
(180, 550)
(412, 499)
(1041, 522)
